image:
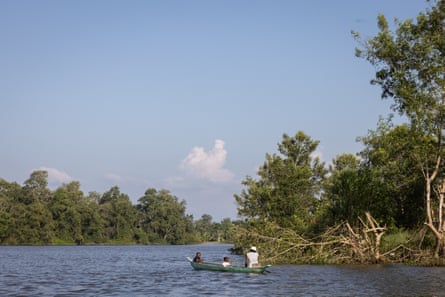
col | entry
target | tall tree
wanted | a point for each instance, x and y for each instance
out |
(288, 187)
(65, 207)
(36, 188)
(76, 217)
(37, 220)
(118, 215)
(165, 218)
(388, 152)
(353, 189)
(410, 69)
(340, 199)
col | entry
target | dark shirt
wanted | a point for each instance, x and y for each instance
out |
(197, 259)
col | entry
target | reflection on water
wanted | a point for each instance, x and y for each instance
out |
(164, 271)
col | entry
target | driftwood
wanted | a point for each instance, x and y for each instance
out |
(340, 244)
(337, 245)
(364, 243)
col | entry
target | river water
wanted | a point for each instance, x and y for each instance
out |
(164, 271)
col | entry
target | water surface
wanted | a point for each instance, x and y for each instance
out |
(164, 271)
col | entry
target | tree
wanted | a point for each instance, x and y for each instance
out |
(36, 223)
(352, 190)
(340, 200)
(65, 207)
(410, 69)
(288, 187)
(205, 228)
(40, 224)
(164, 217)
(225, 230)
(36, 188)
(118, 215)
(92, 224)
(388, 152)
(8, 198)
(76, 217)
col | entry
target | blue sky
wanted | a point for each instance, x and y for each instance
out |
(187, 96)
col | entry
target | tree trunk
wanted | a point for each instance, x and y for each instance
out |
(438, 228)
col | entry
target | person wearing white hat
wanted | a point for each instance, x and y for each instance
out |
(251, 259)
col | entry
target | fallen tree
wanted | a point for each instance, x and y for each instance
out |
(341, 244)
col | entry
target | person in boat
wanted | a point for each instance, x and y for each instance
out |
(252, 257)
(197, 258)
(226, 262)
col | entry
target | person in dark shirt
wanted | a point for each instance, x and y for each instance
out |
(197, 258)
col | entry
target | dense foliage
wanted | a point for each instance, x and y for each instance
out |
(295, 209)
(410, 69)
(33, 214)
(288, 187)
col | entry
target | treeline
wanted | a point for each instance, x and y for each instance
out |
(32, 214)
(385, 203)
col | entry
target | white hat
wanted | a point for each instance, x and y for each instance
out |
(253, 248)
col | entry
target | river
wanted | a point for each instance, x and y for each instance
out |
(164, 271)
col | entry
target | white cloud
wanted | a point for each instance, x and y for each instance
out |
(208, 165)
(56, 176)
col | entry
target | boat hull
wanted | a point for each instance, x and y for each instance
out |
(220, 268)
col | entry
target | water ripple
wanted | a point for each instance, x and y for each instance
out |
(163, 271)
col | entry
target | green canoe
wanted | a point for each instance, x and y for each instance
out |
(219, 267)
